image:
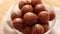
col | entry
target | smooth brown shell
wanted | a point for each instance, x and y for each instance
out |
(22, 3)
(18, 24)
(27, 30)
(43, 16)
(37, 29)
(38, 8)
(16, 14)
(46, 27)
(27, 8)
(30, 18)
(51, 13)
(34, 2)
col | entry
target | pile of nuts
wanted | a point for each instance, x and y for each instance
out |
(32, 18)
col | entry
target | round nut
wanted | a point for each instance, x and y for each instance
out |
(37, 29)
(18, 24)
(27, 8)
(46, 27)
(16, 14)
(51, 13)
(34, 2)
(43, 16)
(22, 3)
(38, 8)
(30, 18)
(26, 30)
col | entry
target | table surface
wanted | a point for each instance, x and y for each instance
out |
(6, 4)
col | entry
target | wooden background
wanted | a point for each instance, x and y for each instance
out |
(6, 4)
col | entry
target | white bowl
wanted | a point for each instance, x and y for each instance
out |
(7, 27)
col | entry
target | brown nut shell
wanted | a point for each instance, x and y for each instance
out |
(51, 13)
(39, 7)
(18, 24)
(46, 27)
(27, 8)
(26, 30)
(34, 2)
(37, 29)
(16, 14)
(43, 16)
(22, 3)
(30, 18)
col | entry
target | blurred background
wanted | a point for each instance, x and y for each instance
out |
(6, 4)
